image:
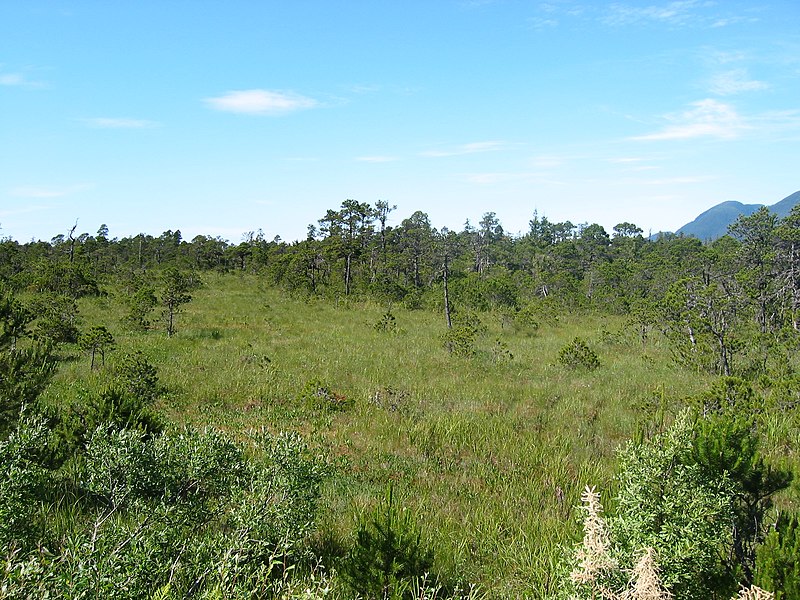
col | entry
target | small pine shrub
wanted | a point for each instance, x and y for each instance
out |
(388, 555)
(527, 319)
(461, 337)
(138, 376)
(387, 323)
(577, 354)
(778, 559)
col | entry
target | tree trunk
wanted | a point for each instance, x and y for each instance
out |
(347, 276)
(446, 295)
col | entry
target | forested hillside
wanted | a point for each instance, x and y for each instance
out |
(402, 411)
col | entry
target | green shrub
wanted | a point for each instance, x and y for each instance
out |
(24, 374)
(188, 511)
(386, 324)
(577, 354)
(57, 318)
(461, 337)
(527, 319)
(778, 559)
(21, 483)
(138, 376)
(387, 556)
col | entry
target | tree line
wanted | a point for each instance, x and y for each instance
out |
(719, 303)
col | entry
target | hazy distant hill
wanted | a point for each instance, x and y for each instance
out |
(713, 223)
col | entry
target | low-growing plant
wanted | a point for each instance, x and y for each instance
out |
(57, 318)
(527, 319)
(318, 396)
(577, 354)
(188, 513)
(24, 374)
(778, 559)
(387, 323)
(459, 340)
(21, 481)
(500, 352)
(138, 376)
(388, 554)
(140, 302)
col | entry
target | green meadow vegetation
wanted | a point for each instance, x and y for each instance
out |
(402, 413)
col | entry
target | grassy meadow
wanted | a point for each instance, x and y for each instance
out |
(488, 452)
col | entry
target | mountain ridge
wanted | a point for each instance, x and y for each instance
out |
(714, 222)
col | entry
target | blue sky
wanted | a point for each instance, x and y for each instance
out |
(219, 118)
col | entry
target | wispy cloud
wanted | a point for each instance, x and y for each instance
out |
(735, 81)
(471, 148)
(119, 123)
(548, 162)
(687, 180)
(260, 102)
(492, 178)
(19, 80)
(705, 118)
(44, 191)
(632, 164)
(376, 159)
(681, 12)
(626, 160)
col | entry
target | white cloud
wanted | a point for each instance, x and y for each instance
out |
(376, 159)
(735, 82)
(706, 118)
(119, 123)
(492, 178)
(674, 13)
(38, 191)
(260, 102)
(548, 162)
(12, 79)
(19, 80)
(723, 57)
(471, 148)
(678, 180)
(626, 160)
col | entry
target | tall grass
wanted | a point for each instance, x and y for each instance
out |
(490, 454)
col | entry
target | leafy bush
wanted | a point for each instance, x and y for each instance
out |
(577, 354)
(141, 302)
(695, 497)
(186, 513)
(14, 320)
(668, 502)
(527, 319)
(21, 482)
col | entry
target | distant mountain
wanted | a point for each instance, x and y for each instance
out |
(714, 222)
